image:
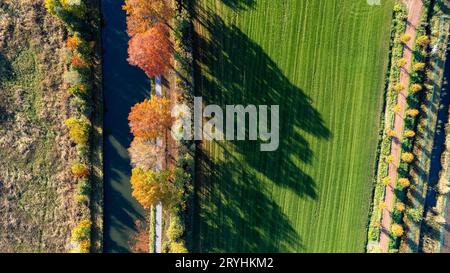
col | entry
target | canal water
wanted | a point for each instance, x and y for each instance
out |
(124, 86)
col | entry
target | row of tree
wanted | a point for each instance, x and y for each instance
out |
(150, 48)
(79, 80)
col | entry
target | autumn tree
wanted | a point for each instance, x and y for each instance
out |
(399, 87)
(151, 187)
(416, 88)
(405, 38)
(404, 182)
(387, 181)
(81, 236)
(419, 66)
(391, 133)
(397, 230)
(412, 113)
(151, 51)
(52, 6)
(402, 62)
(78, 130)
(390, 159)
(80, 170)
(150, 118)
(73, 42)
(383, 205)
(75, 7)
(410, 134)
(396, 108)
(423, 40)
(178, 247)
(400, 207)
(145, 153)
(408, 157)
(142, 15)
(78, 62)
(174, 236)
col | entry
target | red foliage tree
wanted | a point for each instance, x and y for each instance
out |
(151, 51)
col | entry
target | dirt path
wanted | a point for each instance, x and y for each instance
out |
(414, 13)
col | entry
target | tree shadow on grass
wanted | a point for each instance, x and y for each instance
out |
(238, 5)
(6, 74)
(237, 213)
(6, 70)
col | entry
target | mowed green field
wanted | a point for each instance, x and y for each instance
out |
(324, 63)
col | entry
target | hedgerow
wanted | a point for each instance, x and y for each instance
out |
(412, 215)
(79, 79)
(183, 64)
(384, 157)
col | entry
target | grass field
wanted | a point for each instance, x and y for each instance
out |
(324, 63)
(36, 207)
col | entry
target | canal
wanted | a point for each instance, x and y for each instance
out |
(124, 86)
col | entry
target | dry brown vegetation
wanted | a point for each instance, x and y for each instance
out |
(36, 205)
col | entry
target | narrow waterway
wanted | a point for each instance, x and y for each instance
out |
(124, 86)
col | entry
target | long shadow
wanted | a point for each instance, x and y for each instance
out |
(6, 74)
(238, 5)
(124, 86)
(444, 6)
(239, 214)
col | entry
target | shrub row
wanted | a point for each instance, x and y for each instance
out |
(181, 223)
(405, 211)
(386, 134)
(79, 79)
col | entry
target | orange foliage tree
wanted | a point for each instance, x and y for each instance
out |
(144, 14)
(150, 118)
(151, 51)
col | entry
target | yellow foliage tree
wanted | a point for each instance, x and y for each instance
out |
(399, 87)
(416, 88)
(401, 62)
(405, 38)
(396, 108)
(52, 6)
(80, 170)
(412, 113)
(404, 182)
(410, 134)
(151, 187)
(400, 207)
(178, 247)
(78, 130)
(397, 230)
(383, 206)
(419, 66)
(390, 159)
(387, 181)
(81, 236)
(423, 40)
(391, 133)
(407, 157)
